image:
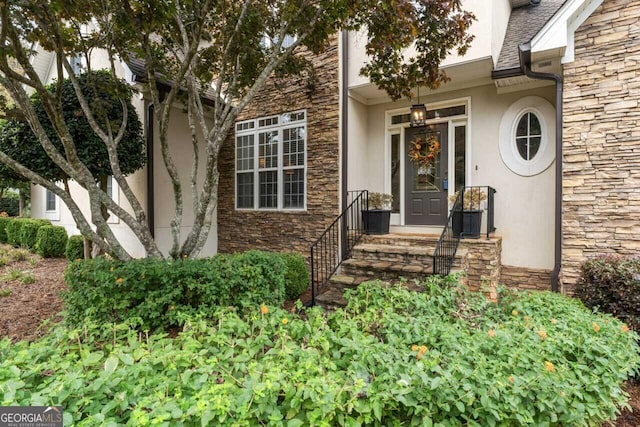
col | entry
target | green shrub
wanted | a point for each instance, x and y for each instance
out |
(4, 221)
(51, 241)
(75, 248)
(10, 205)
(612, 284)
(296, 278)
(13, 229)
(392, 357)
(29, 232)
(162, 292)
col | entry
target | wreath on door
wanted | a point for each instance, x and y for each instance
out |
(416, 154)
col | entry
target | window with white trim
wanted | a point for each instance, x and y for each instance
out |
(271, 162)
(50, 201)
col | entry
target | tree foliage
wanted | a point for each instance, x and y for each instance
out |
(221, 50)
(104, 92)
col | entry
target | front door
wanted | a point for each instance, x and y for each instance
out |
(426, 185)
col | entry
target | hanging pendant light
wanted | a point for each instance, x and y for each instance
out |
(418, 113)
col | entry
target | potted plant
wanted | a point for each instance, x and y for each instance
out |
(467, 221)
(376, 218)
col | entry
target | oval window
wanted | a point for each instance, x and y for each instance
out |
(528, 136)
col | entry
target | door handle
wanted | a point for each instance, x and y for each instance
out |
(445, 184)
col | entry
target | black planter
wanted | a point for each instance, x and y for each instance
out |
(376, 221)
(471, 221)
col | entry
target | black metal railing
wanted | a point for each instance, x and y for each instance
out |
(465, 221)
(336, 242)
(447, 246)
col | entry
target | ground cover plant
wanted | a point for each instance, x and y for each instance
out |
(392, 357)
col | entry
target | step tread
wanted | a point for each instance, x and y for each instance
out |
(394, 249)
(388, 266)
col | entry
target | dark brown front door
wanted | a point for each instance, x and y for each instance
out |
(426, 188)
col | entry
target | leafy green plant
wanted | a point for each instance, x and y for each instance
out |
(13, 274)
(296, 277)
(3, 225)
(75, 248)
(392, 357)
(29, 232)
(13, 229)
(162, 292)
(5, 293)
(19, 254)
(27, 278)
(51, 241)
(612, 284)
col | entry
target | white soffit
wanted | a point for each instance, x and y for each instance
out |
(558, 33)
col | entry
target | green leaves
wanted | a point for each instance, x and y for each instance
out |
(356, 366)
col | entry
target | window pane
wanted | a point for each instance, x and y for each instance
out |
(51, 201)
(522, 125)
(245, 190)
(294, 188)
(293, 147)
(458, 110)
(244, 152)
(522, 147)
(268, 146)
(395, 172)
(269, 189)
(401, 118)
(110, 186)
(460, 156)
(534, 126)
(534, 146)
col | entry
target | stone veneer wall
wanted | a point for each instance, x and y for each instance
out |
(601, 180)
(289, 231)
(523, 278)
(482, 264)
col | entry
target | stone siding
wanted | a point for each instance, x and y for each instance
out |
(290, 231)
(601, 179)
(483, 264)
(523, 278)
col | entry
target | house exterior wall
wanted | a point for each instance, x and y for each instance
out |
(524, 206)
(601, 172)
(492, 18)
(240, 230)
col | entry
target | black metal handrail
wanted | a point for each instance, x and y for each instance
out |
(464, 221)
(447, 245)
(336, 242)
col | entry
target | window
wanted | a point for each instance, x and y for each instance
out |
(271, 162)
(528, 136)
(460, 140)
(77, 64)
(438, 113)
(110, 186)
(395, 172)
(50, 201)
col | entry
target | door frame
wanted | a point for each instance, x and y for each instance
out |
(454, 121)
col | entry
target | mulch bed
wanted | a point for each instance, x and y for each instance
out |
(22, 313)
(28, 305)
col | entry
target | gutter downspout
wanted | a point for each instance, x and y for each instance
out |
(344, 137)
(525, 61)
(149, 124)
(345, 117)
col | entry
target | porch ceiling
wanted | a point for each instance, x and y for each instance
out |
(463, 75)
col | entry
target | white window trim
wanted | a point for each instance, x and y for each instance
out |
(51, 215)
(453, 121)
(256, 130)
(508, 147)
